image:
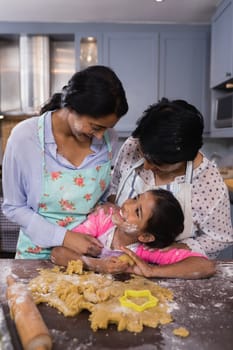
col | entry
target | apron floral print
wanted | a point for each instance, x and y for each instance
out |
(67, 197)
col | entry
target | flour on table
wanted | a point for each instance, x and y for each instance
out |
(99, 294)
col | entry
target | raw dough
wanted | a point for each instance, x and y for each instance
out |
(181, 332)
(99, 294)
(126, 258)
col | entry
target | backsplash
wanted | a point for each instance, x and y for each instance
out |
(219, 150)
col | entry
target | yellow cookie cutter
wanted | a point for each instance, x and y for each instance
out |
(152, 301)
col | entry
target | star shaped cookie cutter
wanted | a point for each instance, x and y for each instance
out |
(129, 293)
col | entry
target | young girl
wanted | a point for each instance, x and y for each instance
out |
(142, 227)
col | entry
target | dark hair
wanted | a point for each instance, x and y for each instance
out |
(170, 132)
(167, 220)
(94, 91)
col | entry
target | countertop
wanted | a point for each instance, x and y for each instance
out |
(204, 307)
(227, 174)
(229, 183)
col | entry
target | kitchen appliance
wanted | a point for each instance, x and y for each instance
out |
(34, 71)
(32, 68)
(223, 114)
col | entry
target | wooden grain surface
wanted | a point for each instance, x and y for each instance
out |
(204, 307)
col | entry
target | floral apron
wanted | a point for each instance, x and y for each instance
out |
(132, 185)
(67, 197)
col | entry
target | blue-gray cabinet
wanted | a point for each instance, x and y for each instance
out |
(184, 68)
(134, 57)
(222, 44)
(164, 63)
(152, 60)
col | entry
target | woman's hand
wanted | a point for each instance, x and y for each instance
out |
(82, 243)
(62, 256)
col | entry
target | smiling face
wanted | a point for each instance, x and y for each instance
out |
(135, 213)
(84, 127)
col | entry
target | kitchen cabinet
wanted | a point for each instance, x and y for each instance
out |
(134, 57)
(184, 69)
(152, 60)
(88, 48)
(172, 64)
(222, 44)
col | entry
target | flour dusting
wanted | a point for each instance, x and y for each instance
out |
(5, 340)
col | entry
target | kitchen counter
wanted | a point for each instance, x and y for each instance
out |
(204, 307)
(229, 183)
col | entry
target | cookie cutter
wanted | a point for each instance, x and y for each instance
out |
(125, 301)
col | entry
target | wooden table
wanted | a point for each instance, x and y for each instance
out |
(204, 307)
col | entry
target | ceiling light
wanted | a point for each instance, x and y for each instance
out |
(159, 0)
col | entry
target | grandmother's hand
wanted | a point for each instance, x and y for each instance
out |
(82, 243)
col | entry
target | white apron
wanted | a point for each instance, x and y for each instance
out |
(132, 185)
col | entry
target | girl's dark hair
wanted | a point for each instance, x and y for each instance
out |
(167, 220)
(170, 132)
(94, 91)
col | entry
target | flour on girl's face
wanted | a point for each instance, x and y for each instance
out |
(123, 224)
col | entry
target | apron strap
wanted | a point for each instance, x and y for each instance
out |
(189, 172)
(123, 180)
(108, 143)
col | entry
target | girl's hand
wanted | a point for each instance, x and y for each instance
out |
(140, 267)
(105, 265)
(82, 243)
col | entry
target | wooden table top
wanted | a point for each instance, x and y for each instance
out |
(204, 307)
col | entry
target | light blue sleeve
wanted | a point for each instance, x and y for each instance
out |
(22, 186)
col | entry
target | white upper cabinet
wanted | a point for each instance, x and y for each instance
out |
(222, 44)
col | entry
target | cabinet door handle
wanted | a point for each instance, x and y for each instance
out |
(228, 74)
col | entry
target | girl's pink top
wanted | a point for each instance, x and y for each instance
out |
(98, 223)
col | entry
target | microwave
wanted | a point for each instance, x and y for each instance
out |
(224, 111)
